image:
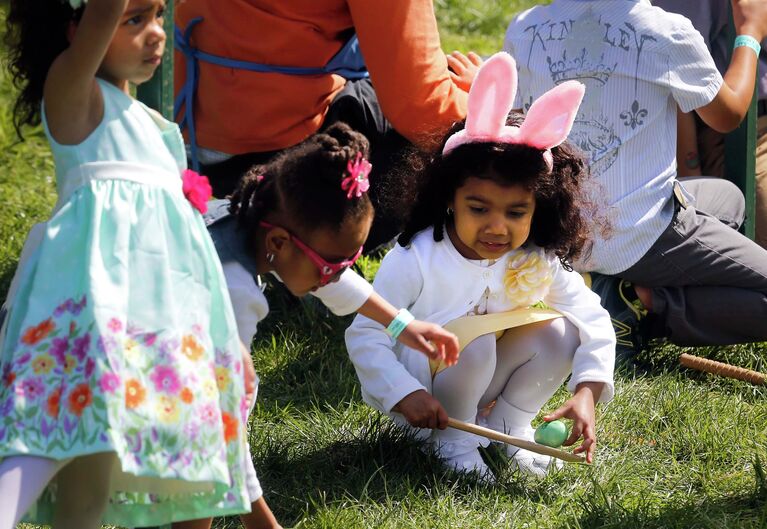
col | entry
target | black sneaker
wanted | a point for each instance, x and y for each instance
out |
(626, 312)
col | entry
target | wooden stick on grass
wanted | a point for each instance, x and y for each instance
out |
(515, 441)
(722, 369)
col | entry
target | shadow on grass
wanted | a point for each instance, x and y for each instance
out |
(301, 356)
(745, 510)
(377, 463)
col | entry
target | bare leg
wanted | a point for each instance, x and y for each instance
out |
(83, 492)
(203, 523)
(260, 516)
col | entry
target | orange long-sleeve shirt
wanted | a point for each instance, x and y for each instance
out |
(238, 111)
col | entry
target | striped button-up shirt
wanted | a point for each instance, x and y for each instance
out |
(638, 63)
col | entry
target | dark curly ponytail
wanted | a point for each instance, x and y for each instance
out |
(304, 182)
(36, 34)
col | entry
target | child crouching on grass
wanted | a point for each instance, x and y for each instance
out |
(498, 219)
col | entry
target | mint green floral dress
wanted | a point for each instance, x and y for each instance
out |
(118, 333)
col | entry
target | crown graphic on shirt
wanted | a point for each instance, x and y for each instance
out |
(579, 68)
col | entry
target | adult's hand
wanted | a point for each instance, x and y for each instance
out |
(463, 68)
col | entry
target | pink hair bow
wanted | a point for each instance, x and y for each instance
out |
(196, 189)
(491, 97)
(357, 182)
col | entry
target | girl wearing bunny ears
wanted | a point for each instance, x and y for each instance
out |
(495, 225)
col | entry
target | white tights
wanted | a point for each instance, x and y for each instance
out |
(521, 371)
(82, 493)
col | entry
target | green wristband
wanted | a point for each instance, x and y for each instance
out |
(398, 324)
(748, 40)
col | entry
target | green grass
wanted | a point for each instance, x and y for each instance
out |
(677, 449)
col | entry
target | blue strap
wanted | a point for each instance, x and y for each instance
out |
(186, 94)
(348, 63)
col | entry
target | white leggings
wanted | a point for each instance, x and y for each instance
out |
(82, 492)
(520, 371)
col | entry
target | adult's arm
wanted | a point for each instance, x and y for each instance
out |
(408, 68)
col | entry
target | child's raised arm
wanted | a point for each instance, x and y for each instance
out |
(730, 105)
(73, 103)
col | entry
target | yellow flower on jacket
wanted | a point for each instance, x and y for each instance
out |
(528, 277)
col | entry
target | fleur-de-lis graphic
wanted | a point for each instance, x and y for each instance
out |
(635, 116)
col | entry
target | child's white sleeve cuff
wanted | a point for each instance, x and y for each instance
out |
(346, 295)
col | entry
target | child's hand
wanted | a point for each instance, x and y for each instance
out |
(432, 340)
(463, 68)
(249, 374)
(422, 410)
(750, 17)
(580, 409)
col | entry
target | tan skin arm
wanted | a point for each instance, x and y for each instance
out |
(730, 105)
(428, 338)
(73, 104)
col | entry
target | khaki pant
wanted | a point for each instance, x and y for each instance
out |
(711, 153)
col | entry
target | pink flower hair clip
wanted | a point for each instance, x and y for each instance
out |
(196, 189)
(357, 182)
(491, 97)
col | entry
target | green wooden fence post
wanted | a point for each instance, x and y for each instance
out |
(740, 156)
(740, 163)
(157, 93)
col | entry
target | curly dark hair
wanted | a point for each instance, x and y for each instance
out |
(304, 182)
(36, 34)
(563, 215)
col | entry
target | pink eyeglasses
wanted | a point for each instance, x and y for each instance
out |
(328, 271)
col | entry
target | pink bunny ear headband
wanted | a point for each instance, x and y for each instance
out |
(547, 124)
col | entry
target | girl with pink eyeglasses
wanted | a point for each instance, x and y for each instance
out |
(303, 218)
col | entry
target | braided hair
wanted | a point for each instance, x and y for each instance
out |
(36, 34)
(304, 183)
(563, 211)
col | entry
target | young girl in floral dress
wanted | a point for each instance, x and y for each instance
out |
(122, 395)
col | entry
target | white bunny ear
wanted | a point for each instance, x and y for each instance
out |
(551, 116)
(491, 96)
